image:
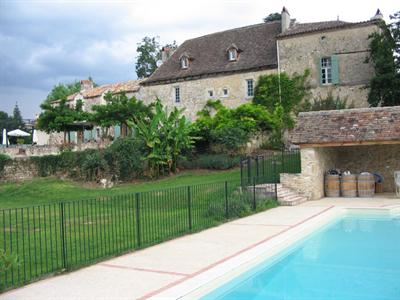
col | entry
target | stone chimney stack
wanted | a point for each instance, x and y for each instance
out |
(166, 53)
(86, 85)
(378, 15)
(285, 19)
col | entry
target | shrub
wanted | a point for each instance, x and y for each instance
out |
(327, 103)
(125, 158)
(218, 161)
(93, 165)
(210, 161)
(3, 161)
(7, 261)
(47, 165)
(229, 138)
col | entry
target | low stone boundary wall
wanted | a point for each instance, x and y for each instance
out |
(296, 183)
(19, 169)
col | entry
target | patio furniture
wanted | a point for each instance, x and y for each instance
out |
(397, 182)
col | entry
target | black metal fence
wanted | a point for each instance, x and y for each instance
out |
(266, 168)
(62, 236)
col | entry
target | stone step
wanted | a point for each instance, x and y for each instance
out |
(288, 197)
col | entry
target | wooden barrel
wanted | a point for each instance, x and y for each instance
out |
(348, 185)
(366, 185)
(332, 185)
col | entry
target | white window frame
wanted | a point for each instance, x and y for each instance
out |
(184, 62)
(326, 70)
(223, 93)
(177, 94)
(232, 54)
(248, 88)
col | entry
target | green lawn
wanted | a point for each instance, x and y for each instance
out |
(95, 224)
(48, 190)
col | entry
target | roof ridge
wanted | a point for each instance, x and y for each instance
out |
(233, 29)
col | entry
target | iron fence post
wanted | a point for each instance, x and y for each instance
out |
(241, 171)
(62, 235)
(275, 180)
(226, 200)
(189, 207)
(139, 238)
(248, 169)
(254, 194)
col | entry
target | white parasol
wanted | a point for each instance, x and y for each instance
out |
(18, 132)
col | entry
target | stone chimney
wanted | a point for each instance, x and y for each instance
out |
(378, 15)
(166, 53)
(86, 85)
(285, 19)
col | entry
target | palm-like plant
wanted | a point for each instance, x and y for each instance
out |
(166, 136)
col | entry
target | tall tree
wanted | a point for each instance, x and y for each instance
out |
(60, 117)
(118, 110)
(273, 17)
(149, 52)
(63, 90)
(16, 120)
(385, 49)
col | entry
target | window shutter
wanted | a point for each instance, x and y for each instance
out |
(319, 72)
(87, 135)
(335, 69)
(117, 131)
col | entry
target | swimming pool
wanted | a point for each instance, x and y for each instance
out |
(354, 257)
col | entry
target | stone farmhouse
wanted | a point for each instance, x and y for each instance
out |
(226, 65)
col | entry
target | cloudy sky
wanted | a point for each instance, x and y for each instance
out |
(43, 43)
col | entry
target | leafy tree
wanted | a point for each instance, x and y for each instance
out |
(282, 96)
(273, 17)
(118, 110)
(62, 91)
(384, 44)
(166, 136)
(229, 129)
(149, 53)
(60, 117)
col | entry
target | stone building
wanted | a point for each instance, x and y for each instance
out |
(358, 140)
(226, 65)
(90, 96)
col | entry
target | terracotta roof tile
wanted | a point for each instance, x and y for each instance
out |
(348, 125)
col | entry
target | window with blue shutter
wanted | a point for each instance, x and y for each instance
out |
(87, 135)
(335, 69)
(329, 70)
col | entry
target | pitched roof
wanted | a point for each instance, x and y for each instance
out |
(303, 28)
(115, 88)
(348, 126)
(208, 53)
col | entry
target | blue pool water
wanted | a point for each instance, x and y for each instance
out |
(355, 257)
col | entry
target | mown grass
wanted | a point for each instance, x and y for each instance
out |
(49, 190)
(63, 236)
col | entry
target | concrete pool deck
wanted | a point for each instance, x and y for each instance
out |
(177, 267)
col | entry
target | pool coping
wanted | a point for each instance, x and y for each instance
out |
(206, 280)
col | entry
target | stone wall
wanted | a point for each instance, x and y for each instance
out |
(382, 159)
(194, 93)
(18, 170)
(21, 151)
(314, 163)
(351, 46)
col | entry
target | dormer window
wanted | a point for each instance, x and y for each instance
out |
(232, 54)
(184, 60)
(233, 51)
